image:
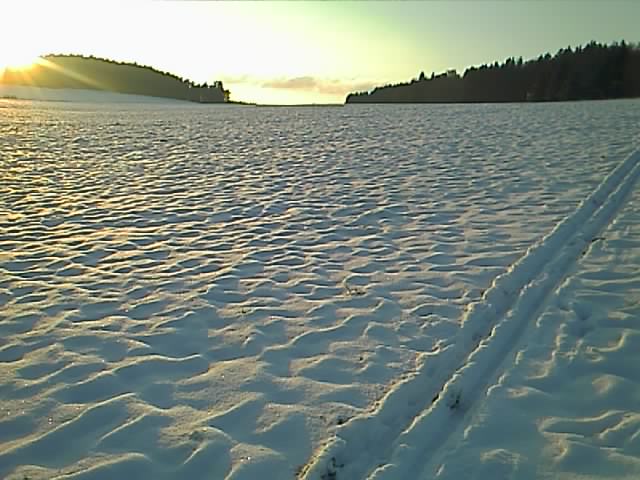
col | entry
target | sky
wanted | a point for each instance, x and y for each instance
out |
(291, 52)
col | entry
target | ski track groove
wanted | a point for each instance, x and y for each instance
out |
(390, 445)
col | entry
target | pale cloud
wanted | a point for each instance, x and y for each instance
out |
(293, 90)
(295, 83)
(320, 85)
(305, 83)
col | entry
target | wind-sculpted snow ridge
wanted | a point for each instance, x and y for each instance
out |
(191, 292)
(449, 380)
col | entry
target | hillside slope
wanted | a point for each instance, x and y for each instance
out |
(73, 71)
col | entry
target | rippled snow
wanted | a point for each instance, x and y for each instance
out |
(213, 288)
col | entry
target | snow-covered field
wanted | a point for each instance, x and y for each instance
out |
(240, 293)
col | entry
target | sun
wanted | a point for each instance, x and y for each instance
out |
(18, 59)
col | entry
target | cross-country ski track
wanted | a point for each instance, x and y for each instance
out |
(410, 427)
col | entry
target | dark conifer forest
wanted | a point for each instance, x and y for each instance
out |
(595, 71)
(76, 71)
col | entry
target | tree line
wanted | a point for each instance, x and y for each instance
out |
(592, 72)
(77, 71)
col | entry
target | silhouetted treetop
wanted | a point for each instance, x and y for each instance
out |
(77, 71)
(595, 71)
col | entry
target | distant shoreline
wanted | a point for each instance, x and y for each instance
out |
(300, 105)
(39, 94)
(127, 98)
(520, 102)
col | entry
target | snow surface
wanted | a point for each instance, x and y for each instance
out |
(239, 293)
(568, 403)
(21, 92)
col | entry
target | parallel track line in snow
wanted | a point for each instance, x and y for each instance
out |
(415, 419)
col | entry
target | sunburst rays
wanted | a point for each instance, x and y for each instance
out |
(33, 74)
